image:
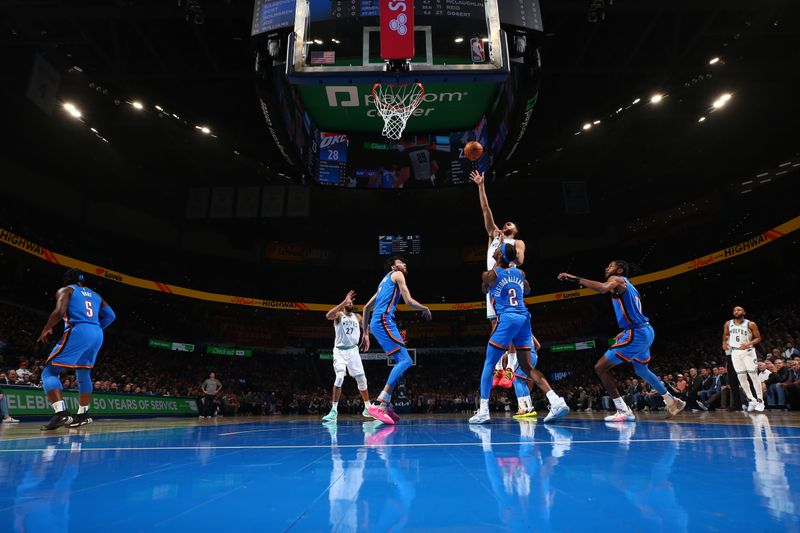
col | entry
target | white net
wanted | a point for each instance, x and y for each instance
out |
(395, 103)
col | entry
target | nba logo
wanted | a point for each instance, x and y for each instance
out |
(476, 48)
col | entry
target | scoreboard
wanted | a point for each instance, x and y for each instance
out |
(399, 244)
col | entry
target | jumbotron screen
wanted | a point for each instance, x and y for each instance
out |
(399, 244)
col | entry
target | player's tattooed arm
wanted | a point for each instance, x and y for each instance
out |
(400, 279)
(62, 301)
(488, 218)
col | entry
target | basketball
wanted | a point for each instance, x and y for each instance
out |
(473, 150)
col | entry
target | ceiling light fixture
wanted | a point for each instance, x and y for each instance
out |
(656, 98)
(713, 61)
(137, 105)
(587, 126)
(70, 108)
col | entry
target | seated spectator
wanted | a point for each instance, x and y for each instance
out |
(693, 389)
(710, 384)
(792, 385)
(681, 385)
(776, 395)
(23, 371)
(791, 351)
(4, 410)
(13, 378)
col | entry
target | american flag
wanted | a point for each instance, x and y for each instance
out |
(327, 57)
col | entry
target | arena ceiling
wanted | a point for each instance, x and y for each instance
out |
(193, 59)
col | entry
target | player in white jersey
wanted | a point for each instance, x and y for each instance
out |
(739, 336)
(506, 368)
(346, 358)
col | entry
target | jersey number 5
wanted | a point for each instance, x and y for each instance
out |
(89, 309)
(512, 296)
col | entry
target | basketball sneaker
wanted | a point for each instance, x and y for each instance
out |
(760, 406)
(365, 412)
(379, 414)
(507, 381)
(526, 413)
(480, 418)
(378, 438)
(58, 420)
(81, 419)
(332, 416)
(557, 410)
(751, 406)
(623, 416)
(498, 375)
(676, 407)
(391, 413)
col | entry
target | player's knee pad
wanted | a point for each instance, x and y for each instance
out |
(339, 378)
(84, 378)
(361, 381)
(50, 379)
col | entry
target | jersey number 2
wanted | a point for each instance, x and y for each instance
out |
(512, 297)
(89, 310)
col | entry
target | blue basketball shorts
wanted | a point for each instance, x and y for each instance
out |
(634, 345)
(77, 347)
(385, 330)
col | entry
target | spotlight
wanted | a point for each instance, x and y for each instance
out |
(656, 98)
(204, 129)
(587, 126)
(459, 39)
(72, 110)
(713, 61)
(701, 119)
(596, 122)
(317, 41)
(137, 105)
(159, 108)
(721, 101)
(636, 101)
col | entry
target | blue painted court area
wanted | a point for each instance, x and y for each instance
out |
(420, 475)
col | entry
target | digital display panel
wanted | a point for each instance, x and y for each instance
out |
(399, 244)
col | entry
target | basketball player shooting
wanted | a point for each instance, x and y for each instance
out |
(497, 237)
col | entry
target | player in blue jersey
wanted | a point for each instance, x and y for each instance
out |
(507, 286)
(632, 343)
(85, 316)
(382, 326)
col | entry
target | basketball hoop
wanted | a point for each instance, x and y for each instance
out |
(395, 104)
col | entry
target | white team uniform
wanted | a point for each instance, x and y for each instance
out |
(345, 347)
(738, 334)
(490, 262)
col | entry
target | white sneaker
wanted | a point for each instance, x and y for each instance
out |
(10, 420)
(480, 418)
(760, 406)
(332, 416)
(622, 416)
(676, 407)
(559, 410)
(751, 406)
(365, 412)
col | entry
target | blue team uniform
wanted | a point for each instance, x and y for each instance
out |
(83, 335)
(638, 334)
(382, 323)
(513, 319)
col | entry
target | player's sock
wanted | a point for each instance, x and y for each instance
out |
(669, 399)
(83, 409)
(334, 406)
(367, 404)
(493, 354)
(528, 402)
(620, 404)
(644, 372)
(757, 383)
(484, 408)
(59, 406)
(512, 360)
(745, 383)
(385, 397)
(553, 398)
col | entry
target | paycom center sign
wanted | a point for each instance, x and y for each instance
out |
(445, 107)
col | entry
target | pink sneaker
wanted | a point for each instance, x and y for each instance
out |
(391, 413)
(379, 414)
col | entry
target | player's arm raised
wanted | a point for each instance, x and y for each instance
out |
(488, 218)
(62, 301)
(520, 247)
(400, 279)
(613, 284)
(756, 336)
(725, 334)
(333, 314)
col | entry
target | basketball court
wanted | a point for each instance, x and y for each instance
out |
(728, 471)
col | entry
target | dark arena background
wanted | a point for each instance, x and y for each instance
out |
(220, 173)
